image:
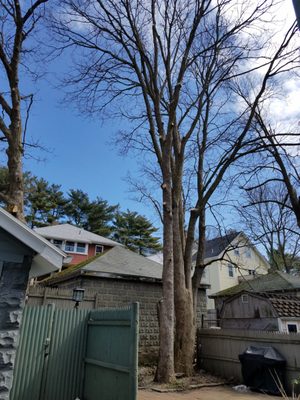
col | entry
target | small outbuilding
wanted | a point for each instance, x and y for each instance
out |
(120, 277)
(264, 312)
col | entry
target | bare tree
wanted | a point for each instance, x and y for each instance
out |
(18, 20)
(272, 224)
(166, 67)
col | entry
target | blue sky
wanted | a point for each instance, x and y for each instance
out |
(79, 155)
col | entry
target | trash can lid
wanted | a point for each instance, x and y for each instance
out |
(265, 351)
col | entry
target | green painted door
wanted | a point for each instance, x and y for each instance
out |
(112, 354)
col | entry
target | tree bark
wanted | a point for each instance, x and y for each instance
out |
(165, 368)
(184, 316)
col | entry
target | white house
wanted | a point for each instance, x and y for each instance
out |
(229, 259)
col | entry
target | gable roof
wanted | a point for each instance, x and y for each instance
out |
(272, 282)
(117, 261)
(214, 247)
(48, 257)
(74, 234)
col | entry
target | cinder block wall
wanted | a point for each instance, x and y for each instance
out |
(120, 293)
(13, 283)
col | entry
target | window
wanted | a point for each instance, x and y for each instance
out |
(99, 249)
(230, 270)
(57, 243)
(251, 271)
(70, 246)
(236, 252)
(245, 298)
(292, 328)
(248, 253)
(80, 248)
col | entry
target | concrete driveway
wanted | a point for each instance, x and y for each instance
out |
(212, 393)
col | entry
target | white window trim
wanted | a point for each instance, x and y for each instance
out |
(64, 243)
(230, 267)
(99, 252)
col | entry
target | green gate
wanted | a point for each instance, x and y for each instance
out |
(111, 355)
(58, 347)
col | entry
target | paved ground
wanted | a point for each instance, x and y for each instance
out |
(215, 393)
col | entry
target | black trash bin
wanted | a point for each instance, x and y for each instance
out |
(263, 369)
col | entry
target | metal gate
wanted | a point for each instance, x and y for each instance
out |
(58, 347)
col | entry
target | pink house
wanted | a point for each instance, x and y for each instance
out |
(76, 242)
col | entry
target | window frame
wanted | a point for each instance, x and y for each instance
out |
(102, 249)
(294, 324)
(230, 269)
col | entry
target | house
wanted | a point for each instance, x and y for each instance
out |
(76, 242)
(121, 277)
(275, 282)
(23, 254)
(230, 259)
(261, 311)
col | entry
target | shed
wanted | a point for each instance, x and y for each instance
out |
(264, 312)
(120, 277)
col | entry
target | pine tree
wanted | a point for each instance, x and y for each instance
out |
(136, 233)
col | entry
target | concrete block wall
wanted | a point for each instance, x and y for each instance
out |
(13, 283)
(120, 293)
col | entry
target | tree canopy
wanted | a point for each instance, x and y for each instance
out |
(135, 232)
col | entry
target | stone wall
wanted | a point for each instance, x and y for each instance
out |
(121, 292)
(13, 283)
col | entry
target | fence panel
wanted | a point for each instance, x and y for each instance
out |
(111, 354)
(50, 358)
(29, 373)
(219, 349)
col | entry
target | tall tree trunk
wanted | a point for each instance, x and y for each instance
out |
(199, 268)
(184, 317)
(165, 368)
(14, 152)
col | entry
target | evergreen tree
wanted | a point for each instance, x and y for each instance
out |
(100, 216)
(77, 207)
(136, 233)
(44, 203)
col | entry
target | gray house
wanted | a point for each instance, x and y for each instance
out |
(121, 277)
(23, 254)
(263, 312)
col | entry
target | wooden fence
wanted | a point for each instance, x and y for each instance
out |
(219, 349)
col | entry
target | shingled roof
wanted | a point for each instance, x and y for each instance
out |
(272, 282)
(214, 247)
(74, 234)
(117, 261)
(286, 306)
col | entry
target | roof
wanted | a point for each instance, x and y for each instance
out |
(286, 306)
(158, 257)
(214, 247)
(74, 234)
(48, 257)
(272, 282)
(117, 261)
